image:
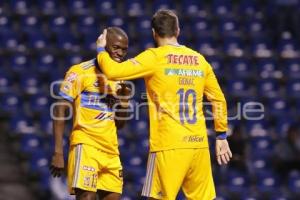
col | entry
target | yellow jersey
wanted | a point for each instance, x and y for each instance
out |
(176, 79)
(93, 119)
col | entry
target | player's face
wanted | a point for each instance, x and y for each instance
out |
(117, 47)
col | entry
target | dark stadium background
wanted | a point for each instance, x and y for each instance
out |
(253, 46)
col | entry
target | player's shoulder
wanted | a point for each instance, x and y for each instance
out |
(196, 53)
(151, 50)
(192, 51)
(83, 67)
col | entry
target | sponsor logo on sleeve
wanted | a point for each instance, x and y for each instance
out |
(71, 77)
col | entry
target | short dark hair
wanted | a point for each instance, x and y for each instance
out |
(165, 23)
(117, 31)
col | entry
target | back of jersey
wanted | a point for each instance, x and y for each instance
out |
(175, 94)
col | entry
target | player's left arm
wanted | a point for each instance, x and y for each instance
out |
(215, 95)
(141, 66)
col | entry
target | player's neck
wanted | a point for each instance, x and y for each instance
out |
(167, 41)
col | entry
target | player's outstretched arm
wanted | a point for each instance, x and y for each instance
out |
(57, 162)
(140, 66)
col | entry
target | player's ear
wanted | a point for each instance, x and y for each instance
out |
(178, 32)
(153, 33)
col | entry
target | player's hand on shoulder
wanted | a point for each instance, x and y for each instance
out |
(223, 151)
(57, 165)
(101, 41)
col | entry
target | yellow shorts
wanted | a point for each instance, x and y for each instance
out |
(91, 169)
(168, 171)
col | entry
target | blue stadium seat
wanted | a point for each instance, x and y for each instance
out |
(118, 21)
(78, 7)
(277, 107)
(73, 59)
(131, 191)
(238, 88)
(67, 41)
(202, 26)
(282, 126)
(146, 43)
(292, 68)
(11, 103)
(206, 45)
(268, 68)
(87, 24)
(162, 4)
(221, 7)
(5, 23)
(267, 181)
(221, 197)
(106, 7)
(46, 125)
(248, 7)
(217, 65)
(46, 63)
(30, 143)
(89, 40)
(249, 196)
(293, 88)
(261, 48)
(37, 40)
(9, 40)
(287, 46)
(20, 123)
(134, 160)
(262, 145)
(257, 128)
(143, 26)
(241, 68)
(233, 46)
(48, 7)
(30, 23)
(20, 6)
(5, 81)
(39, 103)
(192, 7)
(228, 26)
(259, 162)
(30, 84)
(59, 24)
(294, 182)
(237, 182)
(279, 197)
(39, 161)
(135, 8)
(20, 63)
(268, 88)
(141, 128)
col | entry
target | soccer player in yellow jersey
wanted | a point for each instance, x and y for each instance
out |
(176, 79)
(93, 164)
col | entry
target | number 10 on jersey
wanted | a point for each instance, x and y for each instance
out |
(184, 106)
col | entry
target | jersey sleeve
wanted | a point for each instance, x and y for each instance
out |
(72, 84)
(215, 95)
(140, 66)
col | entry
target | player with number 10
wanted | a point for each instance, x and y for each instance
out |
(176, 78)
